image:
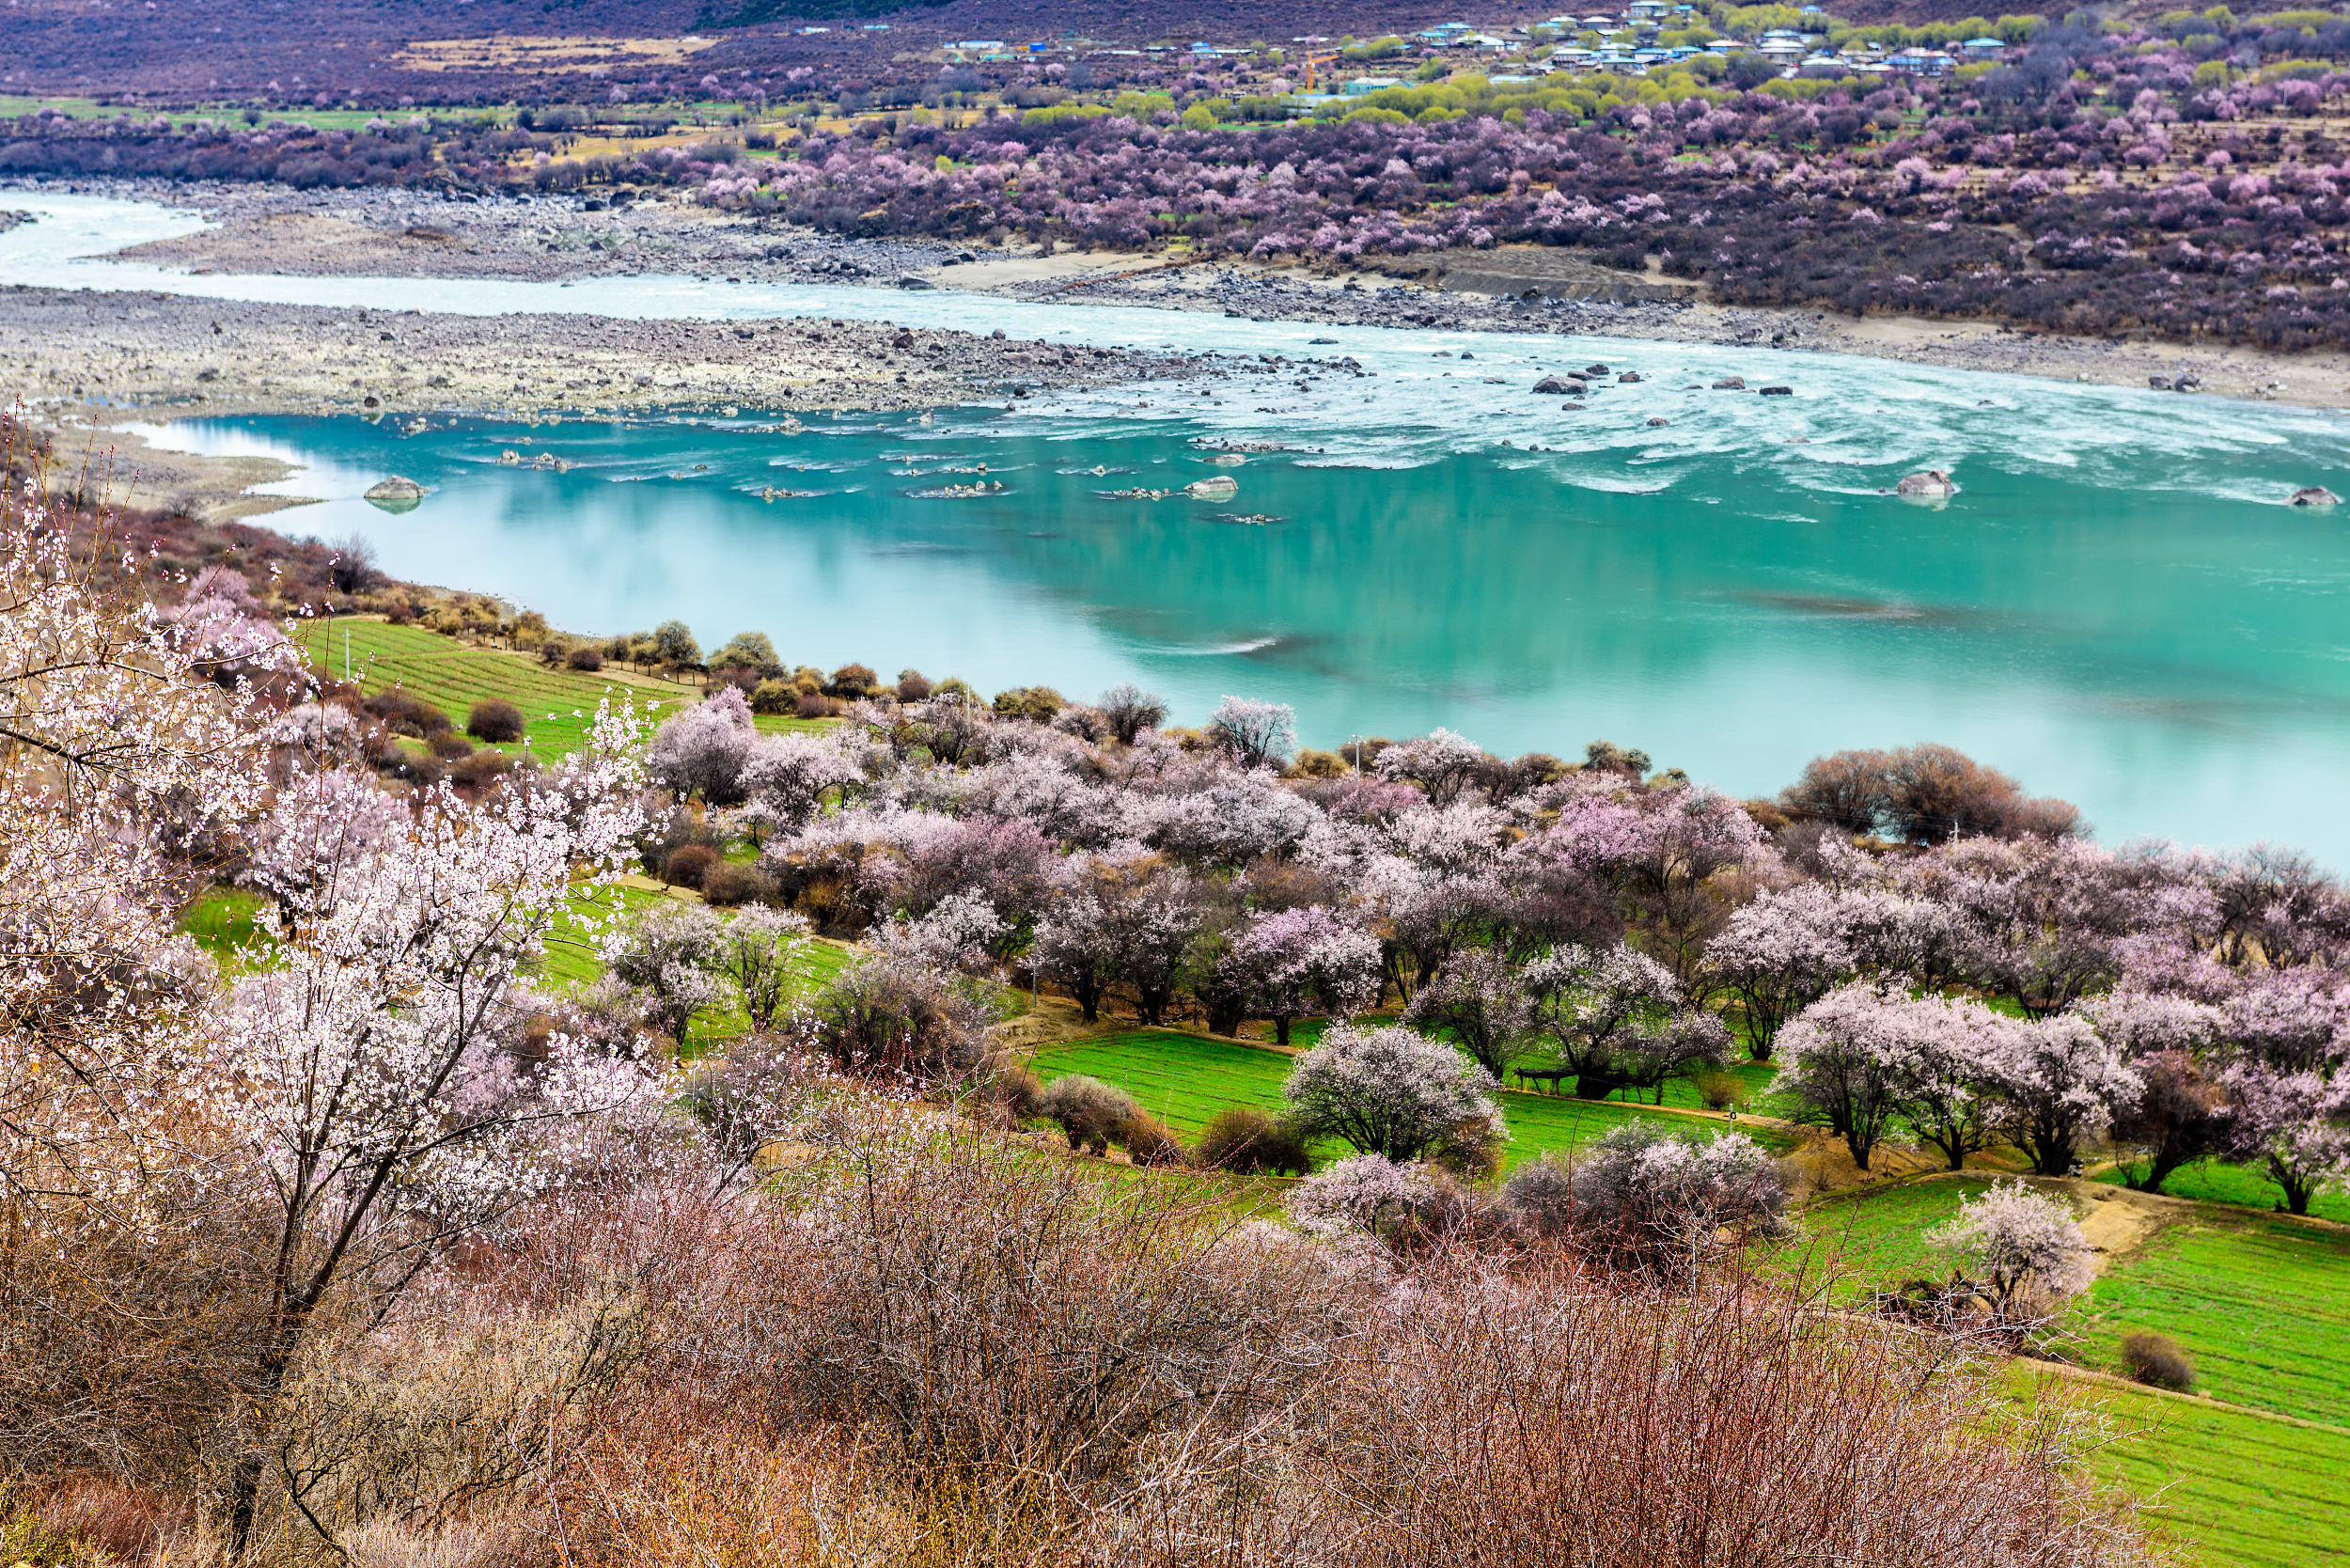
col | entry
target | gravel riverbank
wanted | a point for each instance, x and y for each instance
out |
(395, 233)
(140, 350)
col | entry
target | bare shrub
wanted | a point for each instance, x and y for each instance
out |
(1089, 1113)
(100, 1514)
(410, 1425)
(496, 719)
(1518, 1420)
(690, 866)
(1149, 1142)
(727, 884)
(1008, 1093)
(978, 1310)
(2156, 1361)
(691, 1485)
(1248, 1141)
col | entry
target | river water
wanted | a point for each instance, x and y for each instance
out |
(2117, 607)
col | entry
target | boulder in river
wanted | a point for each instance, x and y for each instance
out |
(394, 495)
(1778, 392)
(1629, 378)
(1595, 370)
(1216, 487)
(910, 281)
(1551, 385)
(1730, 383)
(1932, 484)
(2314, 496)
(1658, 423)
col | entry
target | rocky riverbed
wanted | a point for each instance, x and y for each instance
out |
(1512, 289)
(141, 351)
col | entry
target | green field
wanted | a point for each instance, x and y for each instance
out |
(2225, 1488)
(1183, 1079)
(1877, 1236)
(228, 924)
(2256, 1302)
(557, 705)
(2218, 1182)
(2259, 1303)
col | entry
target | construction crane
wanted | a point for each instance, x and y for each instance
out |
(1312, 60)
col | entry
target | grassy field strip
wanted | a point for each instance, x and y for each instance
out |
(2215, 1182)
(2258, 1303)
(2236, 1488)
(557, 705)
(1185, 1080)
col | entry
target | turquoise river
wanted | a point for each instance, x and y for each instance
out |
(2117, 607)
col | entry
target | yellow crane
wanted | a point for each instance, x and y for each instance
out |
(1312, 60)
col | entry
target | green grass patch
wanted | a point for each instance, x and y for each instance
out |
(1185, 1080)
(2240, 1185)
(231, 925)
(2226, 1488)
(2257, 1303)
(1876, 1236)
(571, 959)
(557, 705)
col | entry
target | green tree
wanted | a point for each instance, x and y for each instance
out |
(747, 651)
(673, 644)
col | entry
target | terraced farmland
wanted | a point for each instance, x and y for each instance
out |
(2258, 1302)
(557, 705)
(2226, 1488)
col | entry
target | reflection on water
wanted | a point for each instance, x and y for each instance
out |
(2173, 662)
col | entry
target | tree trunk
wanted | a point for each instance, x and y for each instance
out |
(1281, 1030)
(2298, 1191)
(1596, 1086)
(244, 1481)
